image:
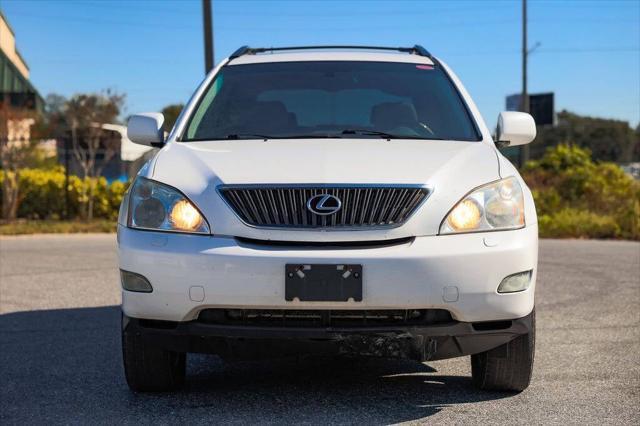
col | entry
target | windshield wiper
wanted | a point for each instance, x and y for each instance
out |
(385, 135)
(265, 137)
(369, 132)
(247, 135)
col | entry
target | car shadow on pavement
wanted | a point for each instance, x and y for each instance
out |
(65, 366)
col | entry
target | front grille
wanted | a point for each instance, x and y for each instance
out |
(316, 318)
(362, 206)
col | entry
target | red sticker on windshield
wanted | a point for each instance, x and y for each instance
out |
(424, 67)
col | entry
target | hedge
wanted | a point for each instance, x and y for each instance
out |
(576, 197)
(42, 195)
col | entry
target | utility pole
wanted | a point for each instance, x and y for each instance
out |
(67, 202)
(208, 35)
(524, 97)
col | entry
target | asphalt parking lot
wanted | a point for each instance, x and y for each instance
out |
(60, 356)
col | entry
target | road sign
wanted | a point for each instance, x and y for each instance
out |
(541, 107)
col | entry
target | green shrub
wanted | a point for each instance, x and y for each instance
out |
(576, 197)
(42, 195)
(23, 227)
(571, 223)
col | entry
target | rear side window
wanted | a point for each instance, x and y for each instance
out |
(325, 99)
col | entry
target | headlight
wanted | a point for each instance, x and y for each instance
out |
(153, 205)
(496, 206)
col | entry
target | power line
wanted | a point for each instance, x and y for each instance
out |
(452, 23)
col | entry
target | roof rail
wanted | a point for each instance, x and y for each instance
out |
(241, 51)
(246, 50)
(419, 50)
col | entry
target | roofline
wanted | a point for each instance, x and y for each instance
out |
(246, 50)
(24, 62)
(26, 81)
(6, 21)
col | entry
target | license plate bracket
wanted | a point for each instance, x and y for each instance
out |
(323, 282)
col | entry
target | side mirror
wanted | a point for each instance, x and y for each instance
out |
(146, 129)
(515, 128)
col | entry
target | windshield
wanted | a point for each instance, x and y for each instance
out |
(331, 99)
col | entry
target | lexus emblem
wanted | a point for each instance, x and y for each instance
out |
(324, 204)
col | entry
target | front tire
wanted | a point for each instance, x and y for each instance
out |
(507, 367)
(151, 369)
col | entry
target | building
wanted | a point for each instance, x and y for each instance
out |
(117, 158)
(15, 87)
(19, 100)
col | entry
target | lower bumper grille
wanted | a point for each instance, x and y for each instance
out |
(324, 318)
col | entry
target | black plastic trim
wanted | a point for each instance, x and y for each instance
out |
(430, 342)
(324, 245)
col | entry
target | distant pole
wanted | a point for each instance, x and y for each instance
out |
(524, 97)
(67, 203)
(208, 36)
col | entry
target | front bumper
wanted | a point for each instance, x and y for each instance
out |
(422, 343)
(458, 273)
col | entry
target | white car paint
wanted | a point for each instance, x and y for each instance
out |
(436, 164)
(412, 275)
(515, 128)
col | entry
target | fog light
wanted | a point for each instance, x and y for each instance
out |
(135, 282)
(515, 282)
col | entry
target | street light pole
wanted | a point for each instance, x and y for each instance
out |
(524, 97)
(208, 35)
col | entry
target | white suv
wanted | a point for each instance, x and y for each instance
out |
(329, 200)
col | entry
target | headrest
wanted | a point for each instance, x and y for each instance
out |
(390, 115)
(268, 117)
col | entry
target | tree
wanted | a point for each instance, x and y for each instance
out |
(171, 113)
(636, 149)
(608, 140)
(84, 115)
(18, 149)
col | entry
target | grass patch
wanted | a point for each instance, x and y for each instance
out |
(24, 227)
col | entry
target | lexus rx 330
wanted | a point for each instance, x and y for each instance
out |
(333, 201)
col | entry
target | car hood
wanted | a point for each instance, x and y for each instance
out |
(449, 168)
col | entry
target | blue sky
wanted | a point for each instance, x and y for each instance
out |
(153, 50)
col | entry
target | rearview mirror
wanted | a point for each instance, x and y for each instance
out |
(515, 128)
(146, 129)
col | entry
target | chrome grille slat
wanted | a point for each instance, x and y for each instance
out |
(354, 210)
(363, 207)
(414, 201)
(268, 195)
(249, 201)
(239, 204)
(393, 196)
(398, 207)
(283, 205)
(384, 202)
(363, 204)
(303, 209)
